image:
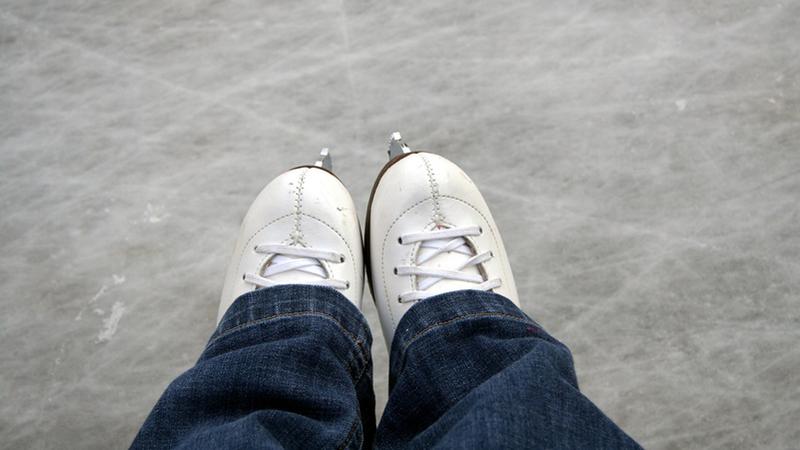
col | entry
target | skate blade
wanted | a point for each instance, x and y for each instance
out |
(325, 160)
(397, 147)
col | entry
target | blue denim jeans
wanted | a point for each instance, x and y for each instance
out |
(290, 367)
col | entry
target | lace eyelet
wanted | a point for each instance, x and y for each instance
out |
(399, 300)
(341, 258)
(480, 230)
(243, 277)
(400, 240)
(347, 285)
(395, 270)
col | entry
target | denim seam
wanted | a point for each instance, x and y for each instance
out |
(358, 418)
(357, 380)
(350, 434)
(353, 338)
(459, 318)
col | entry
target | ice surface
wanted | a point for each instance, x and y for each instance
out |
(641, 159)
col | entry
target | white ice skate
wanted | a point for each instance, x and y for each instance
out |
(429, 231)
(301, 229)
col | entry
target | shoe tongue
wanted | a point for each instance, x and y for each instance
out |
(296, 276)
(449, 261)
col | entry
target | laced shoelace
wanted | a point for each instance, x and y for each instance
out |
(287, 258)
(435, 243)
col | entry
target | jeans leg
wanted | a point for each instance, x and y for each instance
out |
(288, 367)
(471, 370)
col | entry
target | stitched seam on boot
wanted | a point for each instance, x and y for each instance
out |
(297, 233)
(437, 208)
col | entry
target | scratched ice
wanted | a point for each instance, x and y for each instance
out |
(641, 161)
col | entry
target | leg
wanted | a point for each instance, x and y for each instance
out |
(468, 368)
(471, 370)
(289, 365)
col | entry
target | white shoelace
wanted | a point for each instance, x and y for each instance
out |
(287, 258)
(437, 242)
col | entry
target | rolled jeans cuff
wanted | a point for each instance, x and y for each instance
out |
(271, 310)
(452, 308)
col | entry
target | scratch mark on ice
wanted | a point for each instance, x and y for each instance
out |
(111, 323)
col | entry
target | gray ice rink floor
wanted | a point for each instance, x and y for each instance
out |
(642, 159)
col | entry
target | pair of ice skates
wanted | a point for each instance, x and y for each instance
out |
(428, 231)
